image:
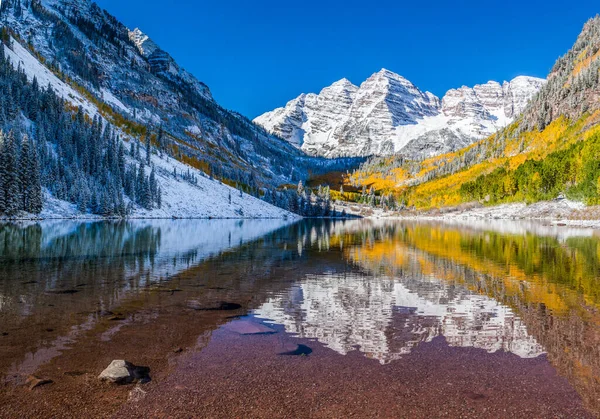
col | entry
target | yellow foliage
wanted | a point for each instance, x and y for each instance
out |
(514, 151)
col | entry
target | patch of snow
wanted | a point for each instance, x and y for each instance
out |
(111, 99)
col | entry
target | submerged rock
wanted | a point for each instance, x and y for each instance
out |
(221, 306)
(116, 318)
(123, 372)
(300, 350)
(62, 292)
(249, 328)
(34, 382)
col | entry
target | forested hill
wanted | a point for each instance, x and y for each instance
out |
(552, 149)
(77, 159)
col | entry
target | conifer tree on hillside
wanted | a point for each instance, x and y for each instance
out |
(12, 188)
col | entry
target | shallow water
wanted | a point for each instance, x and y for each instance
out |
(377, 316)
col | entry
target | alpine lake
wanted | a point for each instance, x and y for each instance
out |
(316, 318)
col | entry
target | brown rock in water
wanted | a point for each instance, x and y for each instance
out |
(116, 318)
(473, 395)
(62, 292)
(34, 382)
(220, 306)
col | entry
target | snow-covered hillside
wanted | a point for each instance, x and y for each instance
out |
(388, 114)
(130, 73)
(181, 198)
(21, 58)
(208, 198)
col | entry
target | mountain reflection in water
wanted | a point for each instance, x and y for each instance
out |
(523, 288)
(385, 317)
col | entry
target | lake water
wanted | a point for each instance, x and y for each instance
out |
(269, 318)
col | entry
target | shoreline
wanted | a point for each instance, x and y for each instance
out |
(93, 218)
(559, 212)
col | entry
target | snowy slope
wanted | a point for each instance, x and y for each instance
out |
(388, 114)
(181, 199)
(209, 198)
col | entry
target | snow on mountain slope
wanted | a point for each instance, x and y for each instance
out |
(206, 199)
(388, 114)
(143, 42)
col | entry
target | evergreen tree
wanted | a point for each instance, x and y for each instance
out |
(148, 148)
(11, 182)
(25, 174)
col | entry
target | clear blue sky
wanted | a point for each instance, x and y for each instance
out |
(256, 55)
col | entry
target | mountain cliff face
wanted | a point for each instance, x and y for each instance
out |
(573, 87)
(388, 114)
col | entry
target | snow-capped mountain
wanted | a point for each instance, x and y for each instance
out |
(388, 114)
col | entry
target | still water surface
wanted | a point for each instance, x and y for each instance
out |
(476, 316)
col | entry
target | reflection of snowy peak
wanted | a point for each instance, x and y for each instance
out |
(387, 112)
(386, 317)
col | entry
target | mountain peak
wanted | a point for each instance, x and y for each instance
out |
(527, 79)
(143, 42)
(384, 72)
(388, 113)
(343, 82)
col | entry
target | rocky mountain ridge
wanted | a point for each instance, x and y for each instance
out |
(388, 114)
